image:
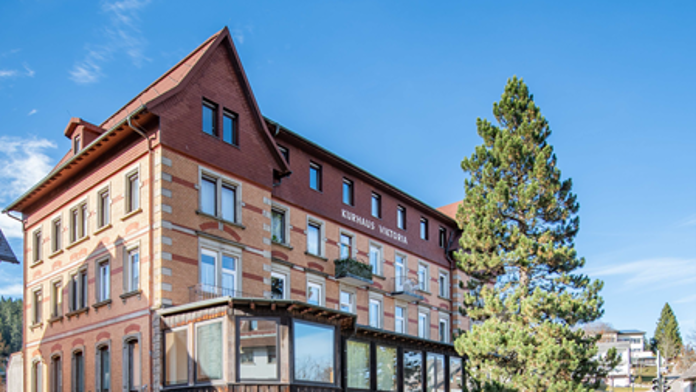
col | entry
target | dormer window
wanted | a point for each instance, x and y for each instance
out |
(77, 144)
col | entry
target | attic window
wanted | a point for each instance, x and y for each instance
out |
(77, 144)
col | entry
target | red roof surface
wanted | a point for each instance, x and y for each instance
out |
(450, 209)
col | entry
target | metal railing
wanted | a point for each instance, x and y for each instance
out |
(201, 291)
(404, 284)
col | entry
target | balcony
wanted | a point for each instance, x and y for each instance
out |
(405, 288)
(353, 272)
(201, 292)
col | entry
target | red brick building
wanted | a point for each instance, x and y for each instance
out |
(187, 242)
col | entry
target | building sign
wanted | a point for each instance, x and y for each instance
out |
(370, 224)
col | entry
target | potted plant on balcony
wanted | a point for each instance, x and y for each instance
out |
(353, 271)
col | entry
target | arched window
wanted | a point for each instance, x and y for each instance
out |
(132, 367)
(56, 374)
(103, 363)
(37, 376)
(78, 371)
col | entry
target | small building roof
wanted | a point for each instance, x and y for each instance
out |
(6, 253)
(690, 374)
(631, 332)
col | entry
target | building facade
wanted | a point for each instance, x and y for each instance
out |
(189, 243)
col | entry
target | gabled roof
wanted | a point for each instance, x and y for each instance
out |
(6, 253)
(450, 209)
(631, 332)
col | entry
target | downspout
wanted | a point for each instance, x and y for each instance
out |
(150, 230)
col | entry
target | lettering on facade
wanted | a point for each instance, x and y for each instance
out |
(370, 224)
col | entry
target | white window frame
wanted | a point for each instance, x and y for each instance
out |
(320, 282)
(221, 249)
(400, 281)
(283, 272)
(444, 319)
(188, 354)
(127, 273)
(443, 289)
(103, 288)
(129, 207)
(37, 376)
(195, 350)
(37, 311)
(79, 295)
(286, 229)
(56, 286)
(351, 189)
(426, 279)
(125, 363)
(57, 236)
(401, 216)
(79, 232)
(104, 217)
(322, 235)
(404, 317)
(379, 268)
(37, 245)
(353, 247)
(378, 299)
(442, 239)
(424, 234)
(376, 196)
(351, 295)
(221, 181)
(424, 314)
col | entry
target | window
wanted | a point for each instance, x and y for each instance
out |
(436, 373)
(400, 319)
(209, 351)
(422, 277)
(56, 376)
(176, 356)
(424, 229)
(314, 293)
(56, 235)
(347, 301)
(104, 370)
(314, 352)
(315, 176)
(423, 325)
(399, 272)
(376, 205)
(401, 217)
(219, 197)
(132, 192)
(131, 365)
(37, 376)
(210, 118)
(442, 237)
(56, 299)
(386, 368)
(229, 128)
(443, 329)
(218, 269)
(131, 273)
(315, 235)
(78, 222)
(285, 152)
(443, 282)
(413, 371)
(376, 258)
(455, 370)
(278, 285)
(36, 246)
(279, 225)
(375, 309)
(103, 281)
(78, 290)
(358, 356)
(37, 307)
(346, 246)
(103, 208)
(78, 372)
(347, 192)
(258, 349)
(77, 144)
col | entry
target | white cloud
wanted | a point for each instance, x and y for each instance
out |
(23, 162)
(651, 274)
(122, 36)
(7, 73)
(686, 300)
(32, 112)
(28, 71)
(689, 221)
(13, 290)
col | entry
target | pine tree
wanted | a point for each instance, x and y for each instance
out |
(667, 335)
(525, 296)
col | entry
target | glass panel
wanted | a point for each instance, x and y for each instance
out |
(315, 177)
(423, 229)
(346, 301)
(79, 372)
(386, 368)
(413, 376)
(207, 278)
(313, 239)
(278, 226)
(314, 294)
(277, 286)
(134, 365)
(455, 374)
(399, 319)
(209, 352)
(374, 313)
(375, 258)
(134, 193)
(401, 218)
(375, 206)
(347, 192)
(105, 366)
(209, 120)
(228, 133)
(134, 269)
(436, 373)
(228, 203)
(346, 246)
(257, 349)
(176, 357)
(208, 203)
(228, 275)
(358, 365)
(422, 325)
(314, 352)
(103, 282)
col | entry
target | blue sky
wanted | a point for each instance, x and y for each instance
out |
(396, 87)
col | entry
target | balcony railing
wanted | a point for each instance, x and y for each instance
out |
(353, 271)
(405, 288)
(203, 291)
